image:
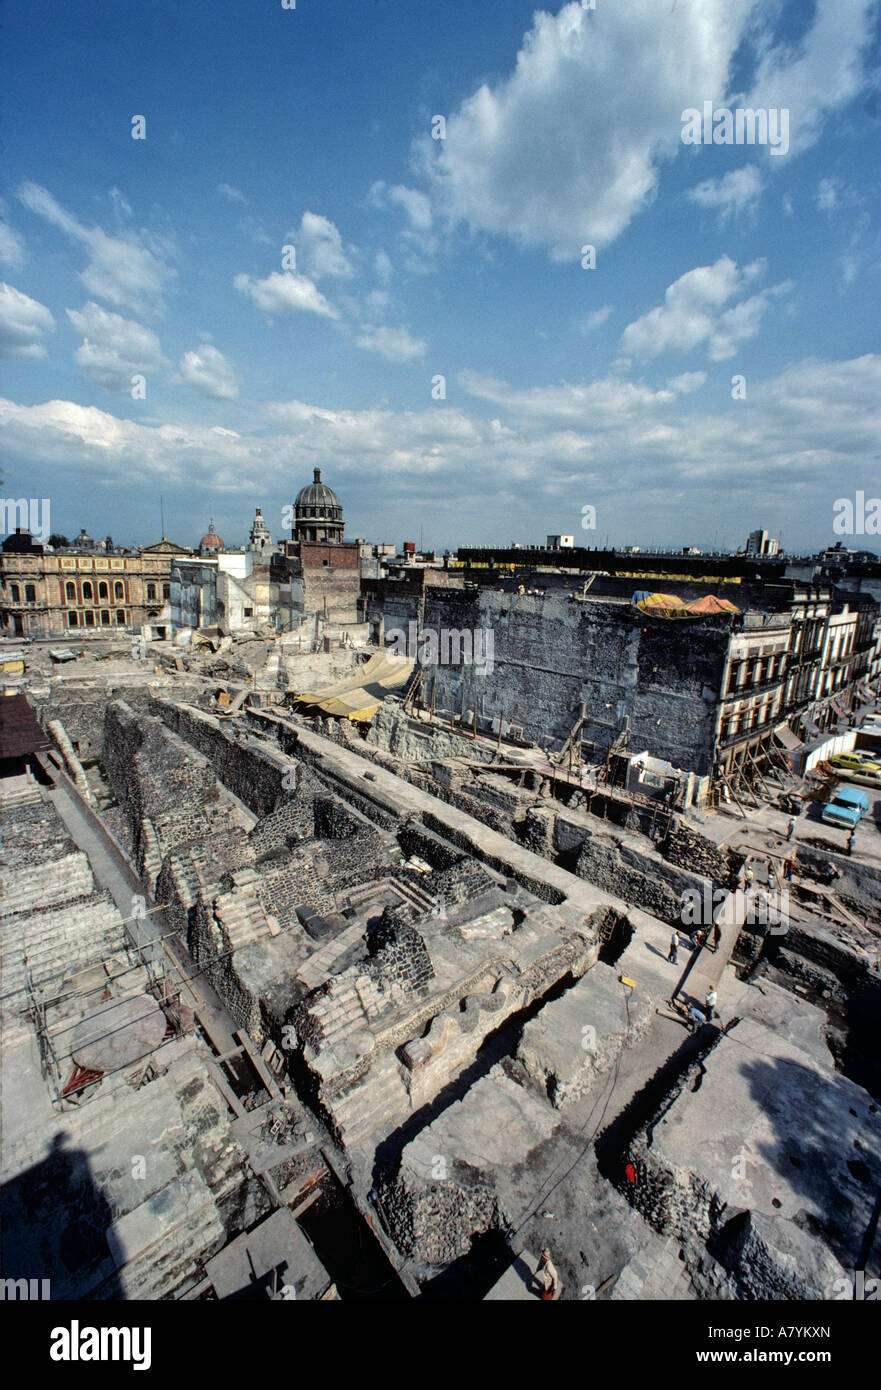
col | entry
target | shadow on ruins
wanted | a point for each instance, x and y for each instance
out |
(55, 1227)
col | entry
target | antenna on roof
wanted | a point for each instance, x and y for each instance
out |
(162, 513)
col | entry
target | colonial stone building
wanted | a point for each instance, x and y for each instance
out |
(83, 593)
(318, 574)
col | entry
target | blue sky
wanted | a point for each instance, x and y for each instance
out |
(163, 259)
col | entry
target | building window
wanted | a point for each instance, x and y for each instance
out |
(120, 618)
(103, 592)
(72, 620)
(118, 590)
(249, 612)
(15, 593)
(166, 591)
(151, 592)
(105, 618)
(90, 619)
(30, 593)
(87, 592)
(70, 592)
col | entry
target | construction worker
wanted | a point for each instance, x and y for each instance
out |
(673, 953)
(695, 1018)
(790, 829)
(710, 1003)
(548, 1277)
(850, 839)
(747, 877)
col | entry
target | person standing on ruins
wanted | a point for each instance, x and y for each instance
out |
(710, 1003)
(790, 829)
(548, 1278)
(673, 953)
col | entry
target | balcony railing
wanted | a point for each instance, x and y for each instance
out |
(743, 692)
(743, 735)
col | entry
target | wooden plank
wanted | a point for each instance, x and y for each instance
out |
(224, 1088)
(258, 1063)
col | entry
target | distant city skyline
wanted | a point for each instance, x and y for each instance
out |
(462, 258)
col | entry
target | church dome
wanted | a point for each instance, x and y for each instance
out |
(318, 513)
(212, 541)
(318, 494)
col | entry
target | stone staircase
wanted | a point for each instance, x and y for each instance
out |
(316, 969)
(52, 943)
(24, 795)
(373, 1107)
(411, 894)
(37, 886)
(241, 914)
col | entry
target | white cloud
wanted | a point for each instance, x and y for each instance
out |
(393, 344)
(383, 266)
(567, 148)
(686, 383)
(415, 205)
(595, 319)
(732, 193)
(114, 349)
(597, 405)
(320, 248)
(824, 73)
(693, 313)
(122, 269)
(233, 195)
(12, 250)
(210, 373)
(24, 323)
(803, 438)
(283, 293)
(121, 205)
(827, 194)
(377, 302)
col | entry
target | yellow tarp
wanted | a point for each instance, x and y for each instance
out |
(360, 696)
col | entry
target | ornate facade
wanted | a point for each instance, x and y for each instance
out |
(75, 593)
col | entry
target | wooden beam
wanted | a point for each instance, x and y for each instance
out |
(224, 1088)
(258, 1064)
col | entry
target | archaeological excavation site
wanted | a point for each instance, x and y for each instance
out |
(329, 974)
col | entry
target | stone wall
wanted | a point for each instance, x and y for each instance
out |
(552, 654)
(249, 767)
(400, 955)
(691, 850)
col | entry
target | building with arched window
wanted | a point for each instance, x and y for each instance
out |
(83, 589)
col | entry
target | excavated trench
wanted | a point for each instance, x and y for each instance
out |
(496, 1046)
(348, 1249)
(850, 1000)
(649, 1105)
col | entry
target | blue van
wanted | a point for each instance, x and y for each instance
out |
(847, 807)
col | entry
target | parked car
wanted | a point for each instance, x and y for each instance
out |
(855, 762)
(847, 807)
